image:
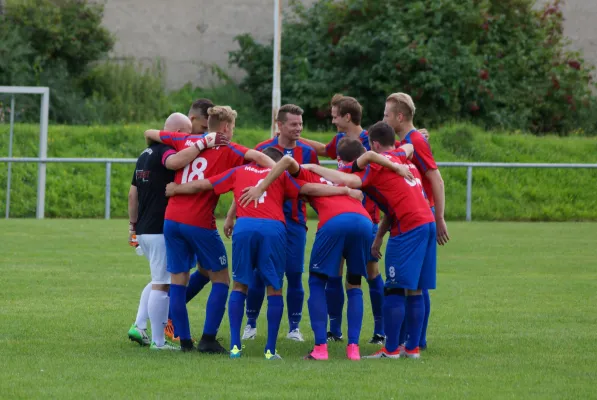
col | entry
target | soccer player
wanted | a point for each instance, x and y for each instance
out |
(198, 115)
(346, 116)
(399, 112)
(258, 240)
(147, 205)
(290, 126)
(410, 253)
(344, 230)
(190, 227)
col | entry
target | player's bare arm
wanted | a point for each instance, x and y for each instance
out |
(437, 186)
(337, 177)
(409, 149)
(259, 158)
(324, 190)
(133, 210)
(174, 189)
(318, 146)
(287, 163)
(384, 227)
(371, 157)
(229, 222)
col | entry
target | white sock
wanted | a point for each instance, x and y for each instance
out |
(142, 313)
(158, 315)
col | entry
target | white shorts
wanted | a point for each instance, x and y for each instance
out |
(154, 248)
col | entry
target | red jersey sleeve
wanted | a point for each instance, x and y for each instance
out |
(238, 153)
(174, 139)
(368, 174)
(423, 157)
(223, 182)
(291, 186)
(308, 176)
(314, 159)
(331, 148)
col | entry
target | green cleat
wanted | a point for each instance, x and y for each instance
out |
(270, 356)
(235, 352)
(166, 346)
(138, 335)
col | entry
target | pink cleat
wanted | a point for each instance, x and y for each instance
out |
(319, 352)
(352, 352)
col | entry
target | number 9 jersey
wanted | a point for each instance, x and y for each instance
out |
(198, 209)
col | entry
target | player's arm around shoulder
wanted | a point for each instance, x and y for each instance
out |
(324, 190)
(259, 158)
(175, 189)
(337, 177)
(371, 157)
(320, 148)
(252, 194)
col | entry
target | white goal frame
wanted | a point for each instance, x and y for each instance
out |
(43, 143)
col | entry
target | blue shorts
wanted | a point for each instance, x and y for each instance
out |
(375, 229)
(259, 244)
(410, 259)
(346, 235)
(187, 245)
(295, 246)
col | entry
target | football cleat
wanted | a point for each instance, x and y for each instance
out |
(319, 352)
(334, 338)
(270, 356)
(235, 352)
(295, 335)
(211, 346)
(249, 333)
(378, 339)
(166, 346)
(383, 353)
(138, 335)
(414, 353)
(352, 352)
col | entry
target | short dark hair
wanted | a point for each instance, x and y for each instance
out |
(273, 153)
(200, 106)
(288, 109)
(349, 105)
(383, 134)
(350, 149)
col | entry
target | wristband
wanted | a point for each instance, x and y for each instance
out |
(200, 144)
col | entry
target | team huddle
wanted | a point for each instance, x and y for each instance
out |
(176, 187)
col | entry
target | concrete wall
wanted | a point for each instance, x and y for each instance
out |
(193, 34)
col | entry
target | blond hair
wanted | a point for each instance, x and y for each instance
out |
(219, 115)
(336, 99)
(403, 104)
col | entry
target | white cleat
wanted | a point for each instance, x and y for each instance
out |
(249, 333)
(295, 335)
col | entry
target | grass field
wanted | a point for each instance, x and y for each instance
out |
(514, 316)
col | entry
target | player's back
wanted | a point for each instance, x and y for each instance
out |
(270, 204)
(329, 207)
(422, 158)
(151, 178)
(405, 200)
(198, 209)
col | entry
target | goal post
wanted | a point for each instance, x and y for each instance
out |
(43, 142)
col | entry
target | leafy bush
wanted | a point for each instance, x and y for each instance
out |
(499, 63)
(77, 190)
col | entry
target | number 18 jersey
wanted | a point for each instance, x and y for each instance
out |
(198, 209)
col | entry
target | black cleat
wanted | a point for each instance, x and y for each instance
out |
(211, 346)
(378, 339)
(334, 338)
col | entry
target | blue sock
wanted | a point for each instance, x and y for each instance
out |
(415, 312)
(334, 294)
(427, 301)
(214, 311)
(196, 283)
(403, 332)
(393, 309)
(354, 314)
(236, 309)
(178, 307)
(295, 297)
(376, 294)
(318, 310)
(255, 297)
(275, 309)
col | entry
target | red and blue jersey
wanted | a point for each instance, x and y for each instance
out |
(422, 158)
(270, 204)
(303, 154)
(332, 150)
(329, 207)
(198, 209)
(403, 200)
